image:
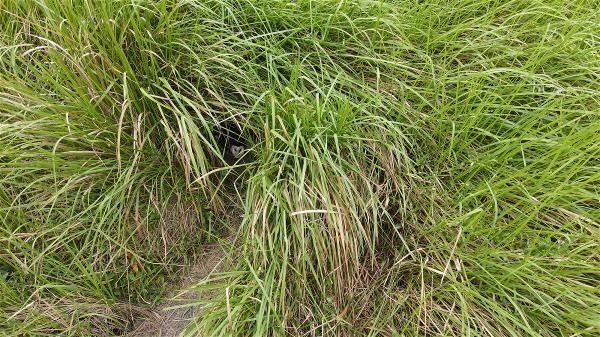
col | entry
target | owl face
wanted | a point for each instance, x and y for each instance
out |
(236, 151)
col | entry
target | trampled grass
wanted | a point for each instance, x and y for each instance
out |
(412, 169)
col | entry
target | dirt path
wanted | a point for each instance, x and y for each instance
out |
(164, 322)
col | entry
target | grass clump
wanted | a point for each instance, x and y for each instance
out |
(411, 169)
(92, 171)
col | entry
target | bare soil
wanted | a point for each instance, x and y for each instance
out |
(163, 320)
(166, 321)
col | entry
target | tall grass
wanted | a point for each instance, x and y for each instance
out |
(413, 169)
(98, 167)
(425, 170)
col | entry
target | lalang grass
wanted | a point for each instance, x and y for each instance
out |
(409, 168)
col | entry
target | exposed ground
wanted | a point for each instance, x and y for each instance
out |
(166, 321)
(181, 301)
